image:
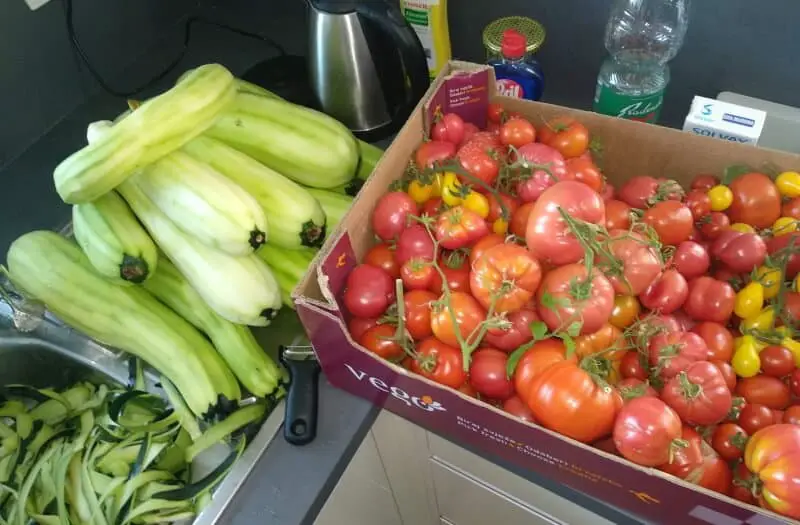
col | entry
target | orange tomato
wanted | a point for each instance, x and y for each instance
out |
(506, 276)
(626, 311)
(602, 342)
(536, 360)
(773, 454)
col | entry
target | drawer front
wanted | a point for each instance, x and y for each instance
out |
(464, 500)
(517, 488)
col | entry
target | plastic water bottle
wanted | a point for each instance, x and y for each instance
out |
(641, 37)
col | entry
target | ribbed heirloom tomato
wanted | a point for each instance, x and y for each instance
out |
(568, 296)
(459, 227)
(506, 276)
(647, 431)
(517, 334)
(699, 394)
(635, 264)
(673, 352)
(467, 313)
(536, 360)
(774, 455)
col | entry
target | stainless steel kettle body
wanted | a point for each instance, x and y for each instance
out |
(366, 65)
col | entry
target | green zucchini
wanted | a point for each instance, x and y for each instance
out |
(305, 145)
(55, 271)
(289, 266)
(117, 245)
(336, 205)
(368, 158)
(240, 289)
(248, 361)
(158, 127)
(294, 217)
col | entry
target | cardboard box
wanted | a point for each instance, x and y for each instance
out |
(725, 121)
(631, 148)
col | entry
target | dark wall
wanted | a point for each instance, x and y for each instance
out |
(732, 45)
(40, 79)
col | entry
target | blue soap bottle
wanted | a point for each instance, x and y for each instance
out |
(518, 75)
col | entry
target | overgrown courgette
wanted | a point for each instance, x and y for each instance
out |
(294, 217)
(289, 267)
(248, 361)
(336, 205)
(56, 272)
(160, 126)
(305, 145)
(115, 242)
(368, 158)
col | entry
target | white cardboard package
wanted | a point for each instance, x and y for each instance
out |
(725, 121)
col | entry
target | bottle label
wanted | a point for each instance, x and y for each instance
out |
(644, 108)
(509, 88)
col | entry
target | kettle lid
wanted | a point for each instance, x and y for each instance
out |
(336, 7)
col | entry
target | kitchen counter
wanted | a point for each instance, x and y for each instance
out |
(289, 485)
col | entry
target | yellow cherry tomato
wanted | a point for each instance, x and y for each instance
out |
(796, 284)
(788, 184)
(784, 225)
(742, 227)
(745, 361)
(721, 197)
(770, 279)
(749, 300)
(420, 191)
(477, 202)
(437, 185)
(500, 226)
(451, 190)
(794, 347)
(763, 320)
(626, 311)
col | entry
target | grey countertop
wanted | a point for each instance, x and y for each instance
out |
(289, 485)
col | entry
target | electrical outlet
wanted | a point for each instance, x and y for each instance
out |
(35, 4)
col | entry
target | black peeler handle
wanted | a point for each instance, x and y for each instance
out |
(300, 421)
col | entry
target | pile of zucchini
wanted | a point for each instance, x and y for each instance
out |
(195, 214)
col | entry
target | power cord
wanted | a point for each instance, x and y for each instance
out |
(187, 34)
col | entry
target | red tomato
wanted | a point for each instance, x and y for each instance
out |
(635, 264)
(541, 356)
(791, 208)
(710, 300)
(618, 215)
(468, 316)
(455, 268)
(777, 361)
(673, 352)
(487, 374)
(417, 305)
(671, 220)
(417, 274)
(433, 207)
(506, 276)
(666, 294)
(496, 211)
(745, 484)
(449, 128)
(546, 167)
(608, 192)
(583, 169)
(439, 362)
(369, 291)
(481, 164)
(631, 388)
(687, 458)
(753, 418)
(459, 227)
(380, 341)
(569, 400)
(638, 191)
(713, 224)
(714, 474)
(792, 415)
(794, 382)
(567, 296)
(764, 390)
(633, 366)
(727, 372)
(517, 334)
(719, 340)
(434, 151)
(699, 394)
(470, 130)
(791, 303)
(646, 431)
(483, 244)
(390, 216)
(774, 455)
(548, 236)
(729, 440)
(496, 113)
(467, 389)
(780, 244)
(382, 256)
(756, 200)
(519, 220)
(358, 325)
(739, 251)
(567, 135)
(517, 408)
(415, 242)
(699, 203)
(691, 259)
(517, 133)
(704, 182)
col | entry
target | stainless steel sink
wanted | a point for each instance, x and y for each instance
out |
(53, 355)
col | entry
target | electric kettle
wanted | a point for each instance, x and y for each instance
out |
(367, 66)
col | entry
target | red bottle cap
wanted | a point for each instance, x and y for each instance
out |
(513, 44)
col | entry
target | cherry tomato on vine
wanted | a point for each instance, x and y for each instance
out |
(467, 313)
(699, 203)
(414, 243)
(754, 417)
(517, 408)
(517, 334)
(418, 305)
(618, 215)
(704, 182)
(369, 291)
(756, 200)
(448, 128)
(710, 300)
(567, 135)
(455, 267)
(791, 208)
(417, 274)
(380, 341)
(777, 361)
(672, 221)
(741, 252)
(480, 163)
(713, 224)
(390, 216)
(792, 415)
(382, 256)
(720, 198)
(517, 133)
(487, 374)
(357, 326)
(718, 339)
(765, 390)
(667, 293)
(433, 151)
(519, 219)
(633, 366)
(420, 191)
(626, 311)
(691, 259)
(583, 169)
(439, 362)
(496, 210)
(794, 382)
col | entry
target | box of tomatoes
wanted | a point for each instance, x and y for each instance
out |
(608, 303)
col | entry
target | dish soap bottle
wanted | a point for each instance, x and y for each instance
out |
(428, 18)
(518, 75)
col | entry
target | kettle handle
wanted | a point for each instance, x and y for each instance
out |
(388, 17)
